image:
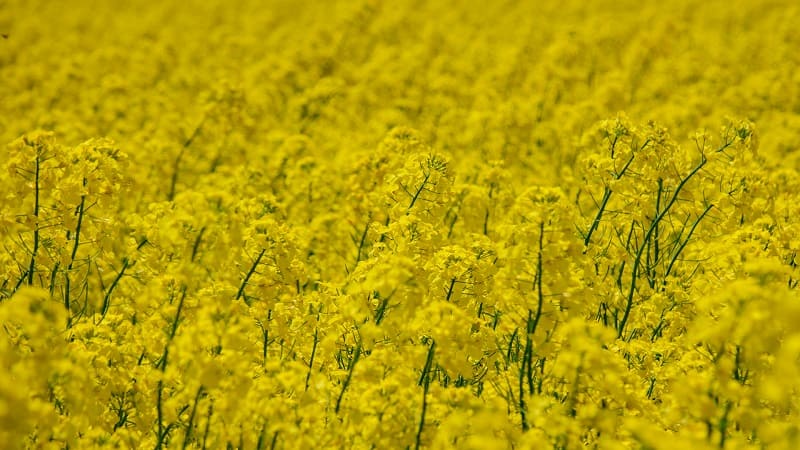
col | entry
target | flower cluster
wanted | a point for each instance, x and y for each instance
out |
(399, 225)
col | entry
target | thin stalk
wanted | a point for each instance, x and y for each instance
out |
(599, 216)
(362, 241)
(419, 191)
(107, 296)
(346, 384)
(176, 168)
(540, 295)
(187, 436)
(686, 241)
(648, 236)
(76, 243)
(426, 381)
(313, 353)
(249, 274)
(32, 265)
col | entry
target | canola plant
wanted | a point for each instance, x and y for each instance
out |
(410, 224)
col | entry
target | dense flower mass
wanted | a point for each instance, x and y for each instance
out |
(378, 225)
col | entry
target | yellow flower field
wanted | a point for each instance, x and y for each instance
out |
(400, 225)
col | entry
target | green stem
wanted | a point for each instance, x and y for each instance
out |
(356, 356)
(32, 265)
(74, 254)
(426, 381)
(686, 241)
(539, 274)
(249, 274)
(648, 236)
(187, 436)
(313, 353)
(107, 296)
(419, 191)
